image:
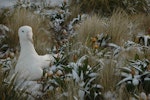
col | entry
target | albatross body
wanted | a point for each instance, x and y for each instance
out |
(30, 65)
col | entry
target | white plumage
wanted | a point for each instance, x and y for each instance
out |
(30, 65)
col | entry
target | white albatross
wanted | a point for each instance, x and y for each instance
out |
(30, 65)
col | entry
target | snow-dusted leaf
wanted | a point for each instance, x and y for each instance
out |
(89, 82)
(113, 45)
(97, 86)
(75, 98)
(137, 67)
(81, 84)
(135, 81)
(81, 94)
(124, 80)
(93, 75)
(125, 69)
(73, 65)
(123, 74)
(81, 76)
(3, 27)
(116, 51)
(80, 61)
(147, 79)
(146, 73)
(75, 76)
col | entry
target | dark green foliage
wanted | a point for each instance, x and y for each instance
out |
(108, 6)
(146, 86)
(136, 76)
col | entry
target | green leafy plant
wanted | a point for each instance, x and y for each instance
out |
(135, 75)
(82, 74)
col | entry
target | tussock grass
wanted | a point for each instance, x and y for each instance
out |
(22, 17)
(143, 21)
(72, 89)
(147, 53)
(123, 94)
(118, 27)
(146, 22)
(92, 26)
(108, 76)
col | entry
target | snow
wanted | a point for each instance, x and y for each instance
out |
(59, 73)
(109, 95)
(93, 74)
(146, 38)
(81, 94)
(6, 3)
(143, 96)
(135, 81)
(75, 76)
(10, 3)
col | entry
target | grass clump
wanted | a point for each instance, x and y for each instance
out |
(108, 76)
(89, 28)
(118, 27)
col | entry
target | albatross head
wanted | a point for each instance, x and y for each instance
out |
(25, 33)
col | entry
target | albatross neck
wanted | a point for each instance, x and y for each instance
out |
(27, 48)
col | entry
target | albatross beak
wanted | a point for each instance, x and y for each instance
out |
(31, 40)
(29, 36)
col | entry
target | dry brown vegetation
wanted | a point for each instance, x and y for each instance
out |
(92, 26)
(117, 26)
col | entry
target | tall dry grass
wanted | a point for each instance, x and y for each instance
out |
(147, 53)
(89, 28)
(118, 27)
(72, 89)
(22, 17)
(108, 77)
(142, 21)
